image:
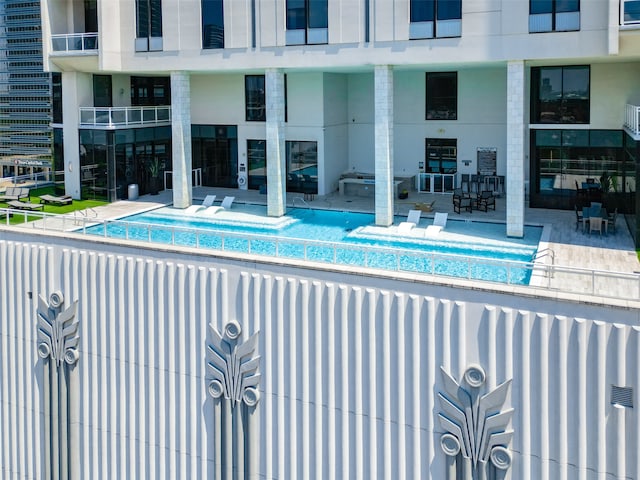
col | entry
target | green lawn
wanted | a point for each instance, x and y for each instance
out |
(36, 192)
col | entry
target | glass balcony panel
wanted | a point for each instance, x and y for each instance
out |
(119, 116)
(134, 116)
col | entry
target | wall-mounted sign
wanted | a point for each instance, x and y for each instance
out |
(487, 160)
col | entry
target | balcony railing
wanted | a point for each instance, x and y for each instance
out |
(630, 12)
(632, 120)
(75, 42)
(120, 117)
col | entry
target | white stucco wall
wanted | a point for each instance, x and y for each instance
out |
(350, 368)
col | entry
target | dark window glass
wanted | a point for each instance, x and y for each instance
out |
(449, 9)
(150, 91)
(254, 98)
(567, 6)
(560, 94)
(90, 16)
(631, 11)
(302, 167)
(442, 96)
(102, 91)
(296, 15)
(422, 10)
(576, 167)
(149, 18)
(307, 14)
(215, 151)
(318, 14)
(441, 155)
(56, 96)
(537, 7)
(540, 6)
(212, 24)
(155, 7)
(257, 163)
(142, 24)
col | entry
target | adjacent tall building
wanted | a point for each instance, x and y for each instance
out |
(25, 91)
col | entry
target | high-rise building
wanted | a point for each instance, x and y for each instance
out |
(25, 90)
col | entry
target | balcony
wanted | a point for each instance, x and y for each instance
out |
(75, 43)
(632, 121)
(124, 117)
(630, 13)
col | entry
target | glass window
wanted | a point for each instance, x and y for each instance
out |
(631, 12)
(441, 155)
(149, 18)
(302, 166)
(102, 91)
(56, 96)
(296, 15)
(449, 9)
(212, 24)
(150, 91)
(257, 163)
(422, 10)
(575, 167)
(442, 96)
(540, 6)
(307, 21)
(554, 15)
(560, 94)
(254, 98)
(318, 17)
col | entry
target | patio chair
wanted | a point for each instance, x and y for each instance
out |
(579, 217)
(15, 193)
(486, 200)
(611, 220)
(207, 202)
(56, 200)
(439, 222)
(412, 220)
(226, 202)
(462, 203)
(19, 205)
(595, 224)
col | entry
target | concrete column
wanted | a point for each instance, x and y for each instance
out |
(515, 148)
(181, 139)
(383, 88)
(276, 166)
(71, 140)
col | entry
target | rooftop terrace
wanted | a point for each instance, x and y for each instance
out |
(613, 253)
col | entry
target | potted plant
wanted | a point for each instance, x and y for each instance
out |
(404, 193)
(154, 174)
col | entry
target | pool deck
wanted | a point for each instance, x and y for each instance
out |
(571, 247)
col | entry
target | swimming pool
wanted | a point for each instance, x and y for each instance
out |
(476, 250)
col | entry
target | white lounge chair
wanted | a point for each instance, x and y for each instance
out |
(226, 202)
(207, 202)
(412, 220)
(439, 222)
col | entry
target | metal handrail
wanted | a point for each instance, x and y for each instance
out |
(74, 42)
(112, 117)
(632, 119)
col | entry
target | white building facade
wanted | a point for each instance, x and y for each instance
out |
(539, 93)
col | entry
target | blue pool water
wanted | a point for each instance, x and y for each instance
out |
(476, 250)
